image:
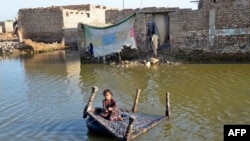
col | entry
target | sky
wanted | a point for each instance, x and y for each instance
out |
(9, 8)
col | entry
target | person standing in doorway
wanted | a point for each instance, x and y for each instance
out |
(154, 40)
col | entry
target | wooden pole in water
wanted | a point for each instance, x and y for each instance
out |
(136, 100)
(129, 129)
(167, 105)
(90, 102)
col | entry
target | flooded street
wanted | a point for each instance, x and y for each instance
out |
(42, 97)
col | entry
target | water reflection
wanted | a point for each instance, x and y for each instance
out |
(42, 97)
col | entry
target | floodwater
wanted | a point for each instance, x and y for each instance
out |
(42, 97)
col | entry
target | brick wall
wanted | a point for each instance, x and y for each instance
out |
(53, 24)
(232, 16)
(188, 28)
(42, 24)
(114, 15)
(228, 33)
(78, 7)
(143, 16)
(225, 29)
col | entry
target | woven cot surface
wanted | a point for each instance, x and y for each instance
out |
(142, 123)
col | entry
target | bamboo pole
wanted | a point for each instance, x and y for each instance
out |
(167, 105)
(136, 100)
(90, 102)
(130, 128)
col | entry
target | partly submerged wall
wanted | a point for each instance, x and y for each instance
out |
(42, 24)
(56, 24)
(143, 16)
(219, 27)
(216, 27)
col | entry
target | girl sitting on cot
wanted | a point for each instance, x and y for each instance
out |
(110, 107)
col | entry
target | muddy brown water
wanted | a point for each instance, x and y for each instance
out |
(42, 97)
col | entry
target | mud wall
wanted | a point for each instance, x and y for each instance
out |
(142, 17)
(42, 24)
(188, 29)
(221, 27)
(56, 24)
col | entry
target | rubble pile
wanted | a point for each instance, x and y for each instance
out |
(9, 46)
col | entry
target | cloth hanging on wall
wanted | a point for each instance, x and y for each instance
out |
(110, 39)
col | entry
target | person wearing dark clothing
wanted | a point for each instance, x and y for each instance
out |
(91, 50)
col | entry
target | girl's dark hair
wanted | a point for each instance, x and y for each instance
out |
(107, 91)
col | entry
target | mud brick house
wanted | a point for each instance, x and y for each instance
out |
(218, 26)
(58, 23)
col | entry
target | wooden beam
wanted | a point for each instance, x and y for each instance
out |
(136, 100)
(90, 102)
(129, 129)
(167, 105)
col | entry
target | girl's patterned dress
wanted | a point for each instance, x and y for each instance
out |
(114, 113)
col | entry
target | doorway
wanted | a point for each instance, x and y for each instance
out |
(158, 24)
